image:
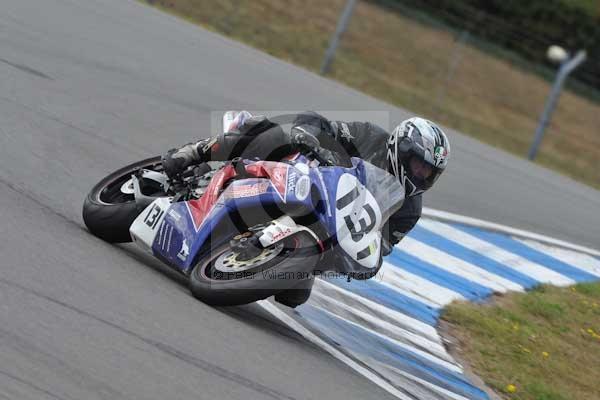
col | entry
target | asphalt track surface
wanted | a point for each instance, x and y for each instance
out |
(88, 86)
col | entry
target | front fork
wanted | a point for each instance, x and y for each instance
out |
(249, 244)
(281, 228)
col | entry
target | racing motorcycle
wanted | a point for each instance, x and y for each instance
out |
(244, 230)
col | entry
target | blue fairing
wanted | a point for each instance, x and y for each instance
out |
(326, 180)
(179, 243)
(178, 225)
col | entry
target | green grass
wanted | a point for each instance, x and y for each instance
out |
(546, 343)
(592, 7)
(547, 72)
(408, 62)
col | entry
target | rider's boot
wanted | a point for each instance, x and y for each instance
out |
(298, 295)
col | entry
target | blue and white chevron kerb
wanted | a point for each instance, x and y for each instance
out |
(385, 327)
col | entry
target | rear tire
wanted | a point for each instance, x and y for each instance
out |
(111, 221)
(293, 266)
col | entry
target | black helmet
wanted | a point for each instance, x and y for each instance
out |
(422, 140)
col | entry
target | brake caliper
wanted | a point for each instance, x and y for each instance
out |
(246, 246)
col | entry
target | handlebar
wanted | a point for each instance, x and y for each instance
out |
(323, 156)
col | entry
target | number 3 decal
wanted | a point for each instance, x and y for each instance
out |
(153, 216)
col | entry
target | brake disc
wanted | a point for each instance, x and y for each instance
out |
(228, 262)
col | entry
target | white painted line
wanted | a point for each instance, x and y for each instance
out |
(396, 287)
(584, 262)
(447, 216)
(444, 392)
(308, 335)
(425, 355)
(387, 329)
(417, 387)
(412, 388)
(410, 323)
(457, 266)
(510, 260)
(398, 277)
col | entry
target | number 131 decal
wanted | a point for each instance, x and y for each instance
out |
(153, 216)
(358, 219)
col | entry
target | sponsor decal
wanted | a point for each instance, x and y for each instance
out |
(239, 191)
(184, 252)
(276, 172)
(176, 216)
(345, 131)
(165, 234)
(302, 167)
(291, 185)
(169, 237)
(302, 187)
(278, 179)
(372, 247)
(281, 234)
(439, 155)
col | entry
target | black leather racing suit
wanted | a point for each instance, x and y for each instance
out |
(265, 139)
(369, 142)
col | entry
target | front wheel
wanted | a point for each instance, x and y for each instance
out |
(223, 278)
(110, 208)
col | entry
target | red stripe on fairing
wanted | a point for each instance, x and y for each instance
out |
(200, 208)
(276, 172)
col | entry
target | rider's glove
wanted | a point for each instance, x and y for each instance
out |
(390, 238)
(301, 137)
(177, 160)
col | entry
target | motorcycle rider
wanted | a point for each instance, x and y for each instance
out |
(416, 152)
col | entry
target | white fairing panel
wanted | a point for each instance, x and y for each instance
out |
(281, 228)
(146, 225)
(358, 221)
(233, 120)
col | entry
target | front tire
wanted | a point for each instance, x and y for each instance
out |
(107, 213)
(293, 265)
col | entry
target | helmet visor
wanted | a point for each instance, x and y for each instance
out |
(421, 174)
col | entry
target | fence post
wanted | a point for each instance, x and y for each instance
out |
(565, 69)
(342, 24)
(456, 59)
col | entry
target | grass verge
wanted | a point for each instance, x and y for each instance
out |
(420, 66)
(540, 345)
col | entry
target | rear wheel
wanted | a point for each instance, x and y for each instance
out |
(225, 278)
(110, 208)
